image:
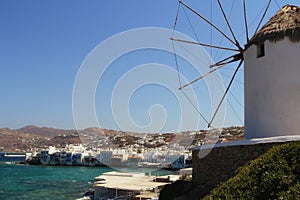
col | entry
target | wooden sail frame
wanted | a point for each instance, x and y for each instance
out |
(231, 59)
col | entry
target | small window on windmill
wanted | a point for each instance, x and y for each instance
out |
(260, 50)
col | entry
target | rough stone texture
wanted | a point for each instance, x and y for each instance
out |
(221, 163)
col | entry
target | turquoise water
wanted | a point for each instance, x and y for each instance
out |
(48, 182)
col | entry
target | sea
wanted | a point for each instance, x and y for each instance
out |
(38, 182)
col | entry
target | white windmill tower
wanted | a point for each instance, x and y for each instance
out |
(271, 70)
(272, 77)
(272, 92)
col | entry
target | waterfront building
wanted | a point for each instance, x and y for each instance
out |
(62, 158)
(69, 158)
(70, 155)
(175, 161)
(78, 155)
(104, 157)
(52, 159)
(134, 161)
(45, 155)
(129, 185)
(117, 161)
(76, 158)
(88, 158)
(179, 163)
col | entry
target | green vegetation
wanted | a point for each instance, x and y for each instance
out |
(185, 178)
(175, 190)
(273, 175)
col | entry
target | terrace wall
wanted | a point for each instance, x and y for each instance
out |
(221, 163)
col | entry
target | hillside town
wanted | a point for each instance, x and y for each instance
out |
(99, 147)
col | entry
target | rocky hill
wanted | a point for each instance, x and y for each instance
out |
(45, 131)
(32, 138)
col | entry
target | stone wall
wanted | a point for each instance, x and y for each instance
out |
(221, 163)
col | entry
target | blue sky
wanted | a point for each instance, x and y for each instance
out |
(43, 44)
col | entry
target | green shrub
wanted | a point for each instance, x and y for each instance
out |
(185, 178)
(274, 175)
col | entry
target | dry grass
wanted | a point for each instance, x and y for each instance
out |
(286, 23)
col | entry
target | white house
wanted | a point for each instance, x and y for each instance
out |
(104, 157)
(272, 77)
(45, 155)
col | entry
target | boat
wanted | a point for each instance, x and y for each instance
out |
(12, 157)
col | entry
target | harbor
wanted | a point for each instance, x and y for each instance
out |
(42, 182)
(78, 155)
(150, 100)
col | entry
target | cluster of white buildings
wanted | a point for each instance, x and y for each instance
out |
(161, 157)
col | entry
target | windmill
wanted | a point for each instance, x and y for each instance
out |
(269, 110)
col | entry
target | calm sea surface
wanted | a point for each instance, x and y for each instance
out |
(48, 182)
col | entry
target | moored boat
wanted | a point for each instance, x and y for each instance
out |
(12, 157)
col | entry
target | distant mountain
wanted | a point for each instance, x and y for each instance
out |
(11, 140)
(32, 137)
(110, 132)
(45, 131)
(95, 130)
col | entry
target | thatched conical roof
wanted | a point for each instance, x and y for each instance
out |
(286, 23)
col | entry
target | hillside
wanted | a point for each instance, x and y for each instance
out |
(23, 140)
(33, 138)
(45, 131)
(274, 175)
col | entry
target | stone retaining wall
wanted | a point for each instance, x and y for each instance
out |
(221, 163)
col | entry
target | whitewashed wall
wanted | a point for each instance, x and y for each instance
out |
(272, 90)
